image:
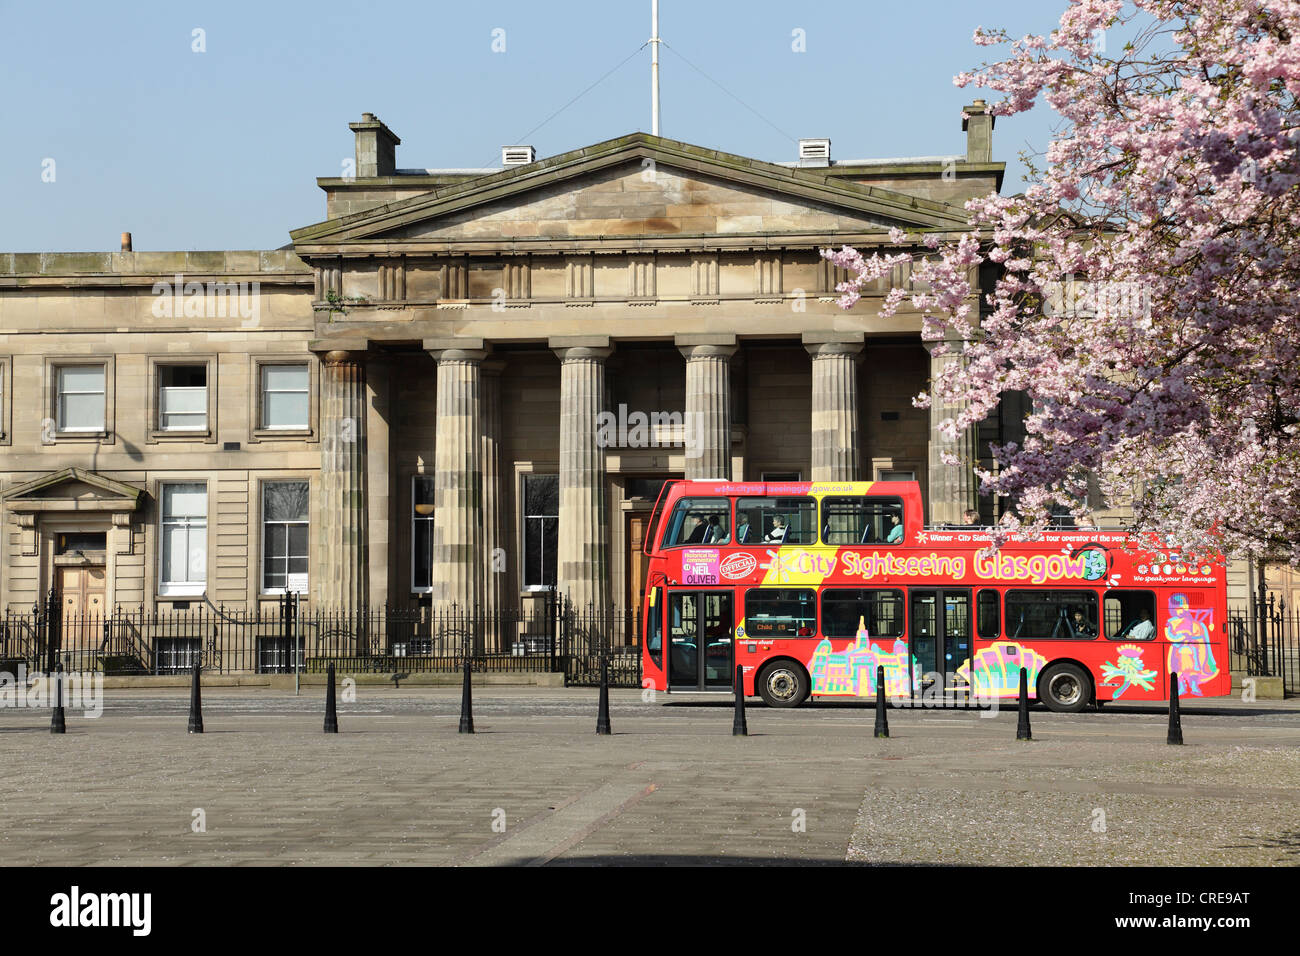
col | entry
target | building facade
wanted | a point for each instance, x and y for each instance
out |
(466, 387)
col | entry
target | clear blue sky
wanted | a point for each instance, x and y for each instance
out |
(220, 149)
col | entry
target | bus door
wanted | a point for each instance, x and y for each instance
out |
(940, 636)
(700, 645)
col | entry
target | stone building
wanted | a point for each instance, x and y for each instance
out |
(405, 405)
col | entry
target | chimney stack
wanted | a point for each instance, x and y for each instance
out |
(375, 147)
(126, 242)
(977, 124)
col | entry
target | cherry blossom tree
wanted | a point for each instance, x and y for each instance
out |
(1149, 293)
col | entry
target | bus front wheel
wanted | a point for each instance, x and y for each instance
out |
(1065, 688)
(783, 684)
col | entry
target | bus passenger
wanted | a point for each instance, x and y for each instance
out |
(1081, 626)
(699, 531)
(1143, 630)
(742, 530)
(779, 529)
(895, 532)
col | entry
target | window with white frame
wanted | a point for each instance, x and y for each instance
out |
(182, 397)
(285, 528)
(183, 552)
(80, 398)
(422, 533)
(541, 527)
(285, 397)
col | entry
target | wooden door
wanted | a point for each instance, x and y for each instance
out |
(637, 568)
(81, 598)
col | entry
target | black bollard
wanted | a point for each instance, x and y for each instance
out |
(1175, 718)
(739, 727)
(196, 704)
(882, 705)
(331, 710)
(602, 712)
(57, 724)
(1022, 725)
(466, 703)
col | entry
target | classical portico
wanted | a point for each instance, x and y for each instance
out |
(681, 288)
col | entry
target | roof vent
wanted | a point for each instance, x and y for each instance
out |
(517, 155)
(814, 152)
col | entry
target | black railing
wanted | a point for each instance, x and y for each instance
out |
(551, 636)
(1264, 641)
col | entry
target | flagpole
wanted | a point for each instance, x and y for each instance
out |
(654, 67)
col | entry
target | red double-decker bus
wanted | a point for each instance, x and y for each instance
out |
(810, 586)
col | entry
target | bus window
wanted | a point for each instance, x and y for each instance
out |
(1061, 615)
(780, 612)
(986, 611)
(781, 520)
(1130, 615)
(879, 611)
(699, 521)
(860, 520)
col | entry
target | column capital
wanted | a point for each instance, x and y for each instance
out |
(336, 357)
(459, 356)
(955, 346)
(820, 349)
(693, 352)
(582, 353)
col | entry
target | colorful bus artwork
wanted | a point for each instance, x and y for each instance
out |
(809, 587)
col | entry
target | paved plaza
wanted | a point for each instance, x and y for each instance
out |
(536, 786)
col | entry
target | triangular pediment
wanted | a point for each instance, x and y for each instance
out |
(637, 186)
(73, 489)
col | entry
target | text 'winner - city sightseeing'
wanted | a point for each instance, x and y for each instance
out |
(809, 587)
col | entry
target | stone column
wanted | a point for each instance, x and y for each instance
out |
(583, 560)
(708, 408)
(952, 489)
(458, 483)
(494, 567)
(836, 453)
(342, 572)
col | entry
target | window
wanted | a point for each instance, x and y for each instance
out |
(285, 397)
(702, 521)
(776, 476)
(79, 542)
(879, 611)
(183, 550)
(780, 520)
(988, 620)
(284, 535)
(887, 474)
(182, 397)
(4, 405)
(422, 533)
(541, 526)
(780, 612)
(80, 398)
(1062, 615)
(1125, 620)
(860, 520)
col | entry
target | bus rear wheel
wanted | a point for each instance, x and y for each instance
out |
(1065, 688)
(783, 684)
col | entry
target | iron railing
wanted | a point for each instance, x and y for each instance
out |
(1264, 641)
(552, 636)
